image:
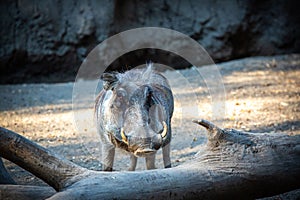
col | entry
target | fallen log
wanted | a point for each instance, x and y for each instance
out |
(48, 166)
(25, 192)
(233, 164)
(5, 177)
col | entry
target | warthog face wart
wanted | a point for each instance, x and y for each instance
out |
(133, 113)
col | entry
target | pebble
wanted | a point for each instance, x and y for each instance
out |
(284, 104)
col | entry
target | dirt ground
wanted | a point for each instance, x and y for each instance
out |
(262, 94)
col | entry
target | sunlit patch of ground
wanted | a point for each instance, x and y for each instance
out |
(262, 95)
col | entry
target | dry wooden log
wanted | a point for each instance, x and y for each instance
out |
(232, 164)
(25, 192)
(48, 166)
(5, 177)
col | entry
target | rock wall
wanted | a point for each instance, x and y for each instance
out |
(47, 40)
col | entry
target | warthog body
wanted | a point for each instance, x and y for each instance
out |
(133, 112)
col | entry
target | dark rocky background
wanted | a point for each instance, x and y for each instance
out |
(46, 41)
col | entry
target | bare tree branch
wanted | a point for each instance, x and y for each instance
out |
(25, 192)
(41, 162)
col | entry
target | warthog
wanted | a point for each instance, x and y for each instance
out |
(133, 112)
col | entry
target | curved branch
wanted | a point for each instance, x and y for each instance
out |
(24, 192)
(41, 162)
(208, 125)
(215, 134)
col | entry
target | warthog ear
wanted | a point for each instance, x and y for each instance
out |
(109, 80)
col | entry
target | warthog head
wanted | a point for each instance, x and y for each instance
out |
(134, 110)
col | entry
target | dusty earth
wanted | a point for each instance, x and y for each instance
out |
(262, 94)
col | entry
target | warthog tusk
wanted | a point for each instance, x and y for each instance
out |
(165, 130)
(124, 137)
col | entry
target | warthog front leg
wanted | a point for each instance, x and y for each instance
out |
(133, 160)
(166, 156)
(108, 155)
(150, 161)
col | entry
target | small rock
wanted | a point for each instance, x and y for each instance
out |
(284, 104)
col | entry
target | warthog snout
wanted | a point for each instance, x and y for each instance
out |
(143, 146)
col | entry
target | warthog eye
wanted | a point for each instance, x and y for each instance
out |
(121, 93)
(120, 98)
